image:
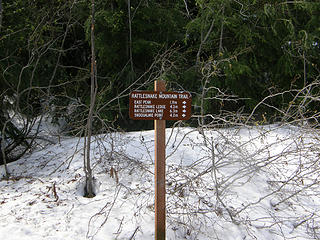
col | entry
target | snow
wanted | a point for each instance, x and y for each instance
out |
(244, 182)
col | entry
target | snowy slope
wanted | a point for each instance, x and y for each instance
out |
(236, 183)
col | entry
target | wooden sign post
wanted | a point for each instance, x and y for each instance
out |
(159, 171)
(160, 106)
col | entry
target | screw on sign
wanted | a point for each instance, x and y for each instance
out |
(160, 106)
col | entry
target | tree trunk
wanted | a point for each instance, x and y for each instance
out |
(130, 35)
(89, 192)
(0, 14)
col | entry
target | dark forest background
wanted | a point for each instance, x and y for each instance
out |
(245, 61)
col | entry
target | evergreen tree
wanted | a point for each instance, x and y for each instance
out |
(256, 48)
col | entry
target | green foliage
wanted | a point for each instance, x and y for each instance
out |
(252, 47)
(257, 45)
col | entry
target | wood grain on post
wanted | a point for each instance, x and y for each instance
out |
(160, 168)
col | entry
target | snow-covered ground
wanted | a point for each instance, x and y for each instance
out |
(236, 183)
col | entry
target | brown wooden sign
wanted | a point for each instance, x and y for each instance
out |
(149, 105)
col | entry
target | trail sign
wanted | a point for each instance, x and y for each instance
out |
(160, 105)
(156, 105)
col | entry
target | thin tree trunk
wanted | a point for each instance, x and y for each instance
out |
(0, 14)
(2, 147)
(130, 36)
(221, 33)
(186, 6)
(93, 93)
(304, 70)
(203, 41)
